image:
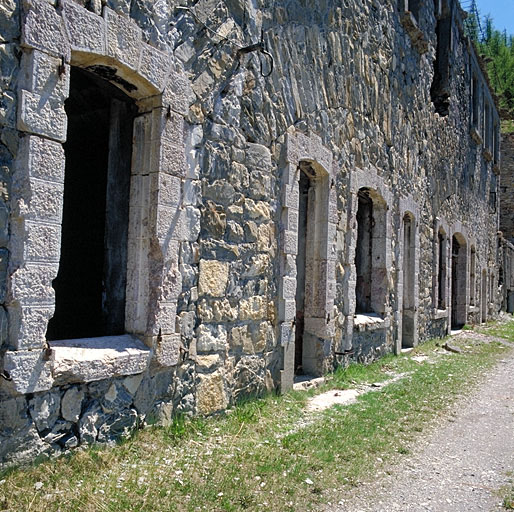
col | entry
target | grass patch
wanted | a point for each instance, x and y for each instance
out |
(263, 454)
(507, 126)
(507, 493)
(508, 499)
(503, 330)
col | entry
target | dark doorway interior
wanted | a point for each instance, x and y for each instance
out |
(441, 274)
(363, 252)
(409, 276)
(90, 284)
(301, 259)
(458, 318)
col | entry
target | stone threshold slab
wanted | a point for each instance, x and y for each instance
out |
(91, 359)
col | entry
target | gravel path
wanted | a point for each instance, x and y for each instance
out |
(460, 465)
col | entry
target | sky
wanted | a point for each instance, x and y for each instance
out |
(501, 11)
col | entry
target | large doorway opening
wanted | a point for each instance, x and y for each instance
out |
(459, 275)
(304, 187)
(311, 269)
(91, 281)
(409, 277)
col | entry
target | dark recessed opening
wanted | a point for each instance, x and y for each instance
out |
(90, 284)
(363, 252)
(301, 261)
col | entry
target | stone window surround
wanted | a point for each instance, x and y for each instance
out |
(300, 147)
(53, 39)
(407, 206)
(365, 179)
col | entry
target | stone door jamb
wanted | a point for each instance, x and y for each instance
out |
(300, 147)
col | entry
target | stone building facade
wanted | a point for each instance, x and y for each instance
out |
(507, 221)
(507, 187)
(202, 199)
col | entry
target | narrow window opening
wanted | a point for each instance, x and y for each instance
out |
(90, 284)
(474, 102)
(413, 6)
(409, 310)
(496, 144)
(485, 127)
(440, 89)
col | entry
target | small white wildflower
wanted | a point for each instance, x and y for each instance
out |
(308, 481)
(38, 485)
(220, 494)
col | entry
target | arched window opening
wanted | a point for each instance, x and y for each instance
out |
(90, 285)
(370, 254)
(441, 270)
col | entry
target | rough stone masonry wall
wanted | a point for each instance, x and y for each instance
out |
(507, 219)
(350, 81)
(507, 187)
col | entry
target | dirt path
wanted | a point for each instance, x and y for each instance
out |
(460, 465)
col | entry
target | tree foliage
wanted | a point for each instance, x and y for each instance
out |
(497, 50)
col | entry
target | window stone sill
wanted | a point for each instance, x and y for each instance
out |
(78, 360)
(91, 359)
(440, 313)
(369, 322)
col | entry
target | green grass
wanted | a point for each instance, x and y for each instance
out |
(508, 500)
(507, 126)
(258, 456)
(507, 493)
(503, 330)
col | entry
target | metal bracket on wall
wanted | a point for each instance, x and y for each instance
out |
(258, 47)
